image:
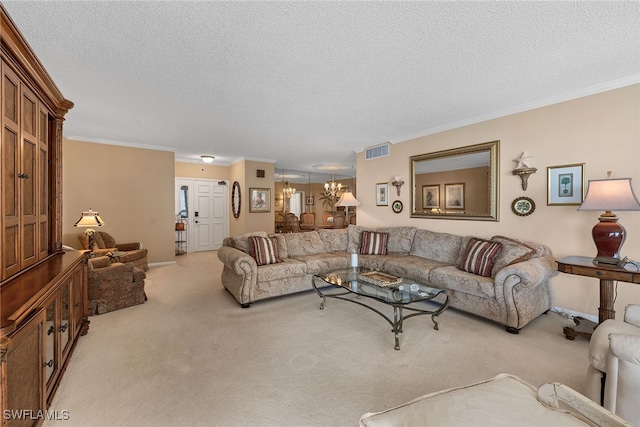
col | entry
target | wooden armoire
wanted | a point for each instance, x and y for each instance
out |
(43, 289)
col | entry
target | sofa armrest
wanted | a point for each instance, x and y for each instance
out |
(237, 261)
(115, 273)
(623, 376)
(560, 397)
(632, 314)
(625, 347)
(103, 252)
(531, 272)
(128, 246)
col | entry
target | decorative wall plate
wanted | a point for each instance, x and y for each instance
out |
(523, 206)
(397, 206)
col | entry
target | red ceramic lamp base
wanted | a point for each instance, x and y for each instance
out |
(609, 237)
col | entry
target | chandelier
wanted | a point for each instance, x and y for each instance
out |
(333, 188)
(288, 191)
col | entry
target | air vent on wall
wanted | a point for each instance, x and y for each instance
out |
(376, 151)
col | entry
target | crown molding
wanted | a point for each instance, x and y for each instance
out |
(119, 143)
(252, 159)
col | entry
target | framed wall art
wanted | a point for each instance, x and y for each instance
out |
(565, 184)
(310, 200)
(259, 200)
(382, 194)
(430, 197)
(454, 196)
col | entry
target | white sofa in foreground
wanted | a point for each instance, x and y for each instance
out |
(505, 400)
(512, 289)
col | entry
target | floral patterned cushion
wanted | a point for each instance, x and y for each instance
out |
(243, 243)
(307, 243)
(513, 251)
(335, 240)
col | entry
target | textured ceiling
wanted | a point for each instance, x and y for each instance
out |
(303, 83)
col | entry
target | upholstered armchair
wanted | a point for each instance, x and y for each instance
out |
(339, 221)
(327, 219)
(613, 375)
(291, 223)
(113, 286)
(127, 252)
(307, 221)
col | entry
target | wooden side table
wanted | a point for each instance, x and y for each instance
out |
(584, 266)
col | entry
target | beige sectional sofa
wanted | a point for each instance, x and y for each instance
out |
(514, 292)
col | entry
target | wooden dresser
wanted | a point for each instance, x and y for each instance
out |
(43, 290)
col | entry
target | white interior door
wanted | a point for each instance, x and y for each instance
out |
(208, 218)
(210, 212)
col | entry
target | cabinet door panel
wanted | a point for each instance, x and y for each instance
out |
(64, 329)
(76, 299)
(10, 90)
(23, 369)
(9, 168)
(42, 181)
(29, 180)
(51, 337)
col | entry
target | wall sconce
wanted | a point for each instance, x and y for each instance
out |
(523, 169)
(398, 183)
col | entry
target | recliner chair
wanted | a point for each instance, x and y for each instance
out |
(113, 286)
(106, 244)
(613, 375)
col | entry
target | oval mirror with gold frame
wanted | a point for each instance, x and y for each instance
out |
(459, 183)
(236, 199)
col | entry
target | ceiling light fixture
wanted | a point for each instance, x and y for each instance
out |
(207, 159)
(333, 188)
(288, 191)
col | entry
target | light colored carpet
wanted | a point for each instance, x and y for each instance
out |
(190, 356)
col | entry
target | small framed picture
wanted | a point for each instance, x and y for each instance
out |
(382, 194)
(523, 206)
(454, 196)
(310, 200)
(430, 197)
(260, 200)
(565, 184)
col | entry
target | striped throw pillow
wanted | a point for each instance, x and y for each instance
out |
(264, 250)
(373, 243)
(479, 256)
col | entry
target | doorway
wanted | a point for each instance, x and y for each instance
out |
(202, 205)
(297, 203)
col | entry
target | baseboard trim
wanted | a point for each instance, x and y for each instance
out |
(570, 314)
(159, 264)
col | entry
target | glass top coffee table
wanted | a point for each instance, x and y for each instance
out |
(394, 291)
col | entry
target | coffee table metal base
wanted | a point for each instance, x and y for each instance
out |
(398, 313)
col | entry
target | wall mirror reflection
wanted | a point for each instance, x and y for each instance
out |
(460, 183)
(303, 194)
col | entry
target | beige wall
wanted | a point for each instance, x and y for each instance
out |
(602, 131)
(132, 188)
(245, 172)
(201, 171)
